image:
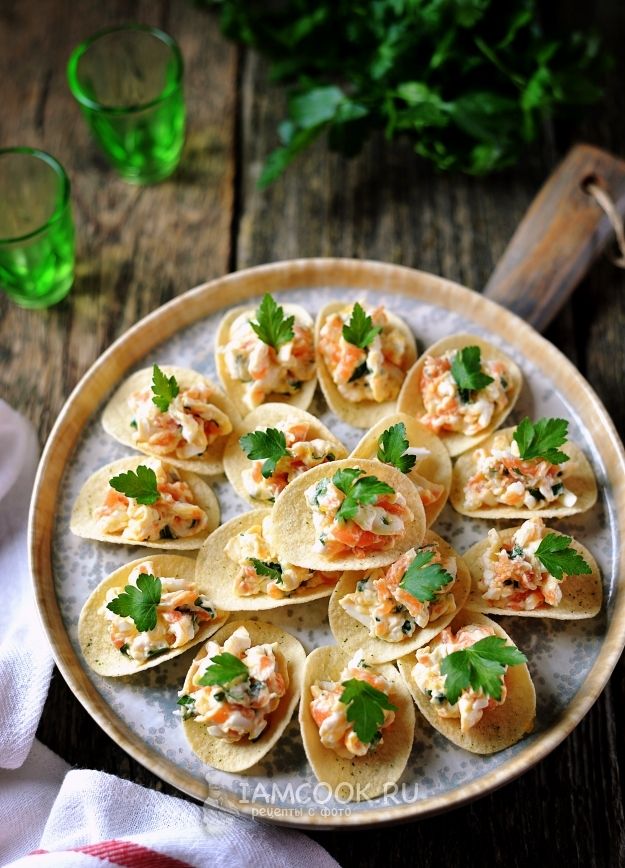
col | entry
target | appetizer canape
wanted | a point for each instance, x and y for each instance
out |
(390, 611)
(240, 693)
(240, 569)
(275, 445)
(144, 501)
(175, 414)
(524, 471)
(363, 355)
(144, 613)
(266, 354)
(404, 443)
(350, 514)
(472, 684)
(357, 723)
(533, 571)
(461, 388)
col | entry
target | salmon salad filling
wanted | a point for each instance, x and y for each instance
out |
(367, 363)
(471, 704)
(388, 600)
(262, 573)
(235, 687)
(503, 477)
(186, 429)
(330, 710)
(165, 613)
(356, 514)
(297, 451)
(265, 369)
(171, 516)
(513, 575)
(449, 407)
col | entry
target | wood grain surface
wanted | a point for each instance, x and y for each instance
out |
(140, 247)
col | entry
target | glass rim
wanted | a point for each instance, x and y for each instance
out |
(81, 49)
(60, 208)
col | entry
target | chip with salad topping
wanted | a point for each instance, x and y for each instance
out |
(351, 514)
(145, 613)
(531, 469)
(175, 414)
(145, 501)
(363, 354)
(461, 388)
(402, 442)
(240, 569)
(266, 354)
(391, 611)
(240, 693)
(357, 723)
(471, 684)
(533, 571)
(273, 446)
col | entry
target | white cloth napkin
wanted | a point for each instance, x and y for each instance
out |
(25, 659)
(51, 816)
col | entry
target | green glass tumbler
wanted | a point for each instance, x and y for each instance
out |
(128, 83)
(36, 228)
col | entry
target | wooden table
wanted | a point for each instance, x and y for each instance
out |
(139, 247)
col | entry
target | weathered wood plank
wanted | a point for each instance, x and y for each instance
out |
(386, 205)
(136, 247)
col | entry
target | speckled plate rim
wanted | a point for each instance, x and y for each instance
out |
(206, 299)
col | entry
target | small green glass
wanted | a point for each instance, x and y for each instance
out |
(36, 228)
(128, 82)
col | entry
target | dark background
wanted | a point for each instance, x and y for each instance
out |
(139, 247)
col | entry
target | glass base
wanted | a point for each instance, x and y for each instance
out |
(37, 302)
(144, 178)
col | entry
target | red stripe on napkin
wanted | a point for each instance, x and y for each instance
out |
(130, 855)
(126, 854)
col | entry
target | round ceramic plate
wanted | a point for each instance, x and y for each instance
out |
(570, 662)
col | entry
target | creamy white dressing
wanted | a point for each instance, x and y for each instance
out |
(324, 500)
(180, 613)
(240, 708)
(447, 409)
(502, 477)
(513, 577)
(330, 714)
(263, 370)
(387, 610)
(255, 543)
(184, 430)
(374, 373)
(427, 674)
(173, 515)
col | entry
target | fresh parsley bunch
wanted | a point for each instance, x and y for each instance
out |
(470, 82)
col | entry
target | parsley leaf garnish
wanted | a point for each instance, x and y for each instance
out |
(269, 445)
(272, 570)
(272, 326)
(226, 668)
(140, 485)
(392, 445)
(422, 579)
(467, 372)
(558, 558)
(360, 330)
(139, 602)
(480, 666)
(365, 708)
(541, 439)
(358, 492)
(164, 389)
